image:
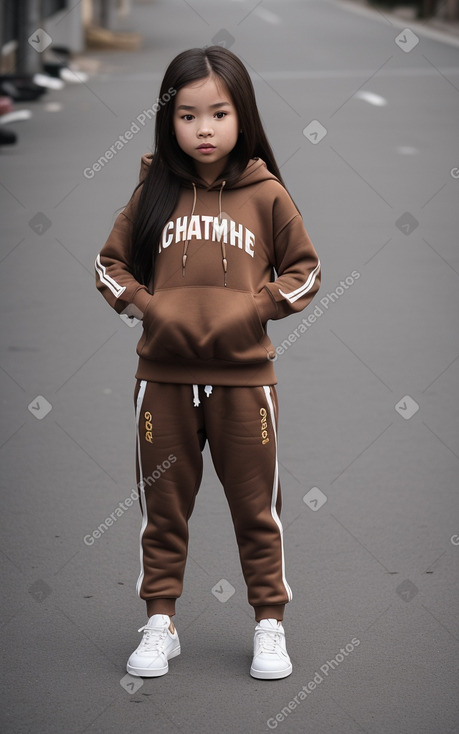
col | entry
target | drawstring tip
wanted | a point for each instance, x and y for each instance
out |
(184, 264)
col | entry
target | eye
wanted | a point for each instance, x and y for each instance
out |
(187, 117)
(223, 114)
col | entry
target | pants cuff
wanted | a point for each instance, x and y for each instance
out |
(164, 605)
(274, 611)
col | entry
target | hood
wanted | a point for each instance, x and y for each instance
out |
(255, 172)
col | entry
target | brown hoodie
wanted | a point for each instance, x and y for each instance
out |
(214, 287)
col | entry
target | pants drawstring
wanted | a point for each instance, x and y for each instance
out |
(207, 389)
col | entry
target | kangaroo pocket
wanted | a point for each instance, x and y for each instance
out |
(203, 323)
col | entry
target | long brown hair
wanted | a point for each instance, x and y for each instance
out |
(171, 168)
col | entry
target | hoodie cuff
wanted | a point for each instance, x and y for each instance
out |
(266, 305)
(141, 299)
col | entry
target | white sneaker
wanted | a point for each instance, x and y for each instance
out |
(158, 645)
(270, 656)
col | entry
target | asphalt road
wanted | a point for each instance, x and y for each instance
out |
(362, 115)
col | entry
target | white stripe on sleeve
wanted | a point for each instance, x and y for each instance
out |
(115, 287)
(303, 289)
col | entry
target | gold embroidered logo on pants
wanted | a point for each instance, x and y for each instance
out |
(148, 427)
(264, 426)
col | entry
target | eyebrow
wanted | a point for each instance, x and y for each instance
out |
(212, 106)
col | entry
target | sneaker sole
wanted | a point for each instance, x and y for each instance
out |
(153, 672)
(270, 674)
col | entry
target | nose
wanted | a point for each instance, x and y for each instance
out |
(205, 131)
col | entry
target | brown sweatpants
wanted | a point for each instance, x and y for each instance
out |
(173, 423)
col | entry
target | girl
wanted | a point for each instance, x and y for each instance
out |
(208, 249)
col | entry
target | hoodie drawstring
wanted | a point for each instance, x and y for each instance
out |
(222, 244)
(207, 389)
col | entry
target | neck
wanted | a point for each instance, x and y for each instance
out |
(211, 171)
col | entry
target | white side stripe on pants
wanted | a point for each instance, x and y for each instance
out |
(143, 502)
(276, 517)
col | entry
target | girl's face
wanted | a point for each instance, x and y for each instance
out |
(206, 125)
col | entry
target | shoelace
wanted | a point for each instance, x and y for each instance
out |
(268, 641)
(153, 638)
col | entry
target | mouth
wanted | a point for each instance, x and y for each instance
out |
(206, 146)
